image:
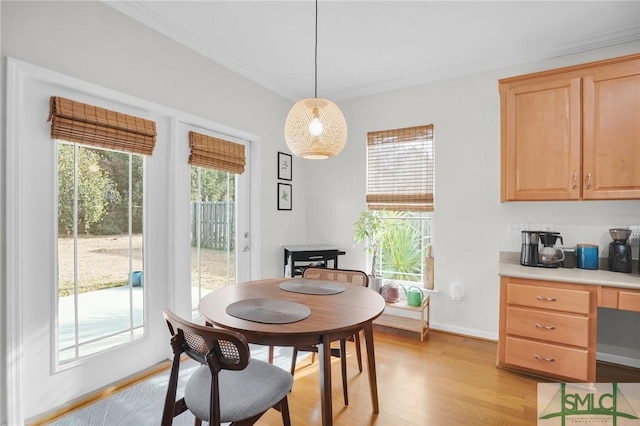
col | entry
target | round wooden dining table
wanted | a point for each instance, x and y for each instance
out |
(332, 317)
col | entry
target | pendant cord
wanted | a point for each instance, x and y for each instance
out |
(315, 95)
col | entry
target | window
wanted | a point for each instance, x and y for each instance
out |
(100, 301)
(100, 253)
(400, 190)
(212, 232)
(214, 165)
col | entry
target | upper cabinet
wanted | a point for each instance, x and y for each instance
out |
(572, 133)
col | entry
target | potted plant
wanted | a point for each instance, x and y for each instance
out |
(369, 229)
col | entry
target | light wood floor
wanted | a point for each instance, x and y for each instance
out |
(445, 380)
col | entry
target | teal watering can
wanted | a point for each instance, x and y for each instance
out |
(414, 295)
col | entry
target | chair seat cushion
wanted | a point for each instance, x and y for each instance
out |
(243, 394)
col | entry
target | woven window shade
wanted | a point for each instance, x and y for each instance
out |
(400, 169)
(90, 125)
(214, 153)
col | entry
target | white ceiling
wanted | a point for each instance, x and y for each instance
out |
(366, 47)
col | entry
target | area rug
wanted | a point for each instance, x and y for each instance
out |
(142, 403)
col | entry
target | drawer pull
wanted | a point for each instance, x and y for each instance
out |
(545, 327)
(546, 299)
(543, 359)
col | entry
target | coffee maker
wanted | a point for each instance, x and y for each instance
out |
(549, 255)
(531, 255)
(529, 250)
(620, 250)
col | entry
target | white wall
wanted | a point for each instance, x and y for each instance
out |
(3, 362)
(471, 225)
(93, 42)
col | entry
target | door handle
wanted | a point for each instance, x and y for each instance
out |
(245, 249)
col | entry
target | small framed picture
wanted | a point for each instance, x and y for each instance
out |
(284, 166)
(284, 196)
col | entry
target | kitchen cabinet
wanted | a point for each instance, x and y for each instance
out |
(548, 328)
(572, 133)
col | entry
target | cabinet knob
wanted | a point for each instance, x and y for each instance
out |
(546, 299)
(545, 327)
(543, 358)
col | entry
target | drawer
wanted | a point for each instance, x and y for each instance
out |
(557, 299)
(547, 358)
(629, 300)
(549, 326)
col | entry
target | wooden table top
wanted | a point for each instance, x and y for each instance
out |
(336, 315)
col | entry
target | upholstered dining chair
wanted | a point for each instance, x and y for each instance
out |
(229, 386)
(347, 276)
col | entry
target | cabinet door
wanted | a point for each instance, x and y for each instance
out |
(611, 140)
(541, 135)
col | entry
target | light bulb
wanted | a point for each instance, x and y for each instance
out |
(315, 127)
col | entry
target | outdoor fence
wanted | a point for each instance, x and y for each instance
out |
(215, 223)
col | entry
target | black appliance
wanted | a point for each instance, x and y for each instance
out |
(530, 251)
(619, 250)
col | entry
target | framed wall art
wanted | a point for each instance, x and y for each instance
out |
(284, 196)
(285, 163)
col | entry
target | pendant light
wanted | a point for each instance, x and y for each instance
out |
(315, 127)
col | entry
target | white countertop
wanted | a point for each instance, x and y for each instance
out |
(570, 275)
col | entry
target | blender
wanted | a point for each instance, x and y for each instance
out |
(620, 250)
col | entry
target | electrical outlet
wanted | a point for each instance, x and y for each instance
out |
(515, 229)
(635, 233)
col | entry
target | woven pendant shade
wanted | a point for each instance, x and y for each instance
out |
(315, 129)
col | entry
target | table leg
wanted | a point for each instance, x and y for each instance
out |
(371, 363)
(324, 353)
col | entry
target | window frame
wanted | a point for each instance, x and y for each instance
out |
(132, 330)
(388, 191)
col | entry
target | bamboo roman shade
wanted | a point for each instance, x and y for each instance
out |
(214, 153)
(87, 124)
(400, 169)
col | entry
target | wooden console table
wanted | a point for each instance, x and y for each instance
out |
(418, 325)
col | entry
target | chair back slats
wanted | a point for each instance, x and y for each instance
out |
(225, 347)
(350, 276)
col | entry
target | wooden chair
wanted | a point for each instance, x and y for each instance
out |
(228, 387)
(347, 276)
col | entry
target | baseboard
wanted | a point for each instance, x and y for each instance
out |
(469, 332)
